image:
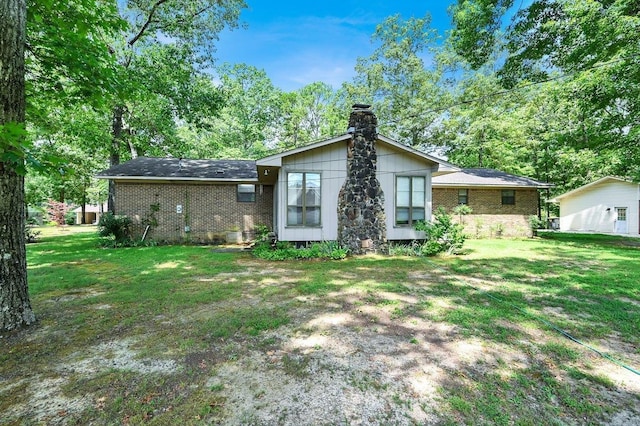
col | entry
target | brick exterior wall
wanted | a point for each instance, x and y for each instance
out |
(209, 210)
(490, 218)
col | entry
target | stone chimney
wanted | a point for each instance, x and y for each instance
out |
(361, 217)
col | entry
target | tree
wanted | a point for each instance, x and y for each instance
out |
(161, 57)
(246, 123)
(15, 306)
(73, 145)
(405, 93)
(479, 130)
(309, 114)
(66, 60)
(592, 43)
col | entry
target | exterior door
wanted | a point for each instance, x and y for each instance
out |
(621, 221)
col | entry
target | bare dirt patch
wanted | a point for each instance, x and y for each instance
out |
(355, 356)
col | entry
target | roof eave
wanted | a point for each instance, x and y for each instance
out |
(489, 185)
(446, 166)
(275, 160)
(557, 198)
(183, 179)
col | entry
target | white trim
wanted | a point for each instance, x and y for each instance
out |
(181, 179)
(411, 206)
(488, 185)
(288, 171)
(589, 185)
(276, 159)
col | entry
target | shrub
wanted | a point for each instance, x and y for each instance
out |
(535, 223)
(115, 229)
(412, 249)
(70, 218)
(284, 250)
(479, 227)
(462, 210)
(442, 235)
(261, 232)
(56, 212)
(497, 229)
(30, 234)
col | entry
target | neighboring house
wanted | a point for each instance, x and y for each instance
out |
(501, 203)
(191, 200)
(359, 188)
(92, 213)
(608, 205)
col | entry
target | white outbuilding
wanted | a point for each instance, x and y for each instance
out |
(609, 205)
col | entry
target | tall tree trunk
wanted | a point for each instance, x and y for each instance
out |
(15, 307)
(114, 155)
(83, 210)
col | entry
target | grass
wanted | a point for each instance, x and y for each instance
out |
(201, 310)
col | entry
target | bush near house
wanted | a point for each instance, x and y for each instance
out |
(286, 251)
(442, 236)
(115, 230)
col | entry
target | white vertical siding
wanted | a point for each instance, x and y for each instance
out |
(587, 210)
(392, 163)
(331, 162)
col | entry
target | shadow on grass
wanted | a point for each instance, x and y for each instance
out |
(397, 330)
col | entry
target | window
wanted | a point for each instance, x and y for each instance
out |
(410, 199)
(463, 196)
(303, 199)
(246, 193)
(508, 197)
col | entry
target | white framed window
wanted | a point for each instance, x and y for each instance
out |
(246, 193)
(410, 199)
(508, 197)
(463, 196)
(303, 199)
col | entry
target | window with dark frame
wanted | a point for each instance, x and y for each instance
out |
(410, 199)
(303, 199)
(246, 193)
(508, 197)
(463, 196)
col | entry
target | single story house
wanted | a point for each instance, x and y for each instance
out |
(92, 213)
(609, 205)
(191, 200)
(501, 203)
(359, 188)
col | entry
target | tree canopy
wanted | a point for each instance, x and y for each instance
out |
(589, 48)
(549, 90)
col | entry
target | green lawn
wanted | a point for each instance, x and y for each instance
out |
(185, 334)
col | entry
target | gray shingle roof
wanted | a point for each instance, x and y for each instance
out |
(182, 169)
(486, 177)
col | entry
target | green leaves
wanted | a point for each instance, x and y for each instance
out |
(586, 50)
(477, 24)
(14, 145)
(404, 92)
(69, 58)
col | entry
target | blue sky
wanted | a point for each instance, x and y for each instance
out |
(297, 43)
